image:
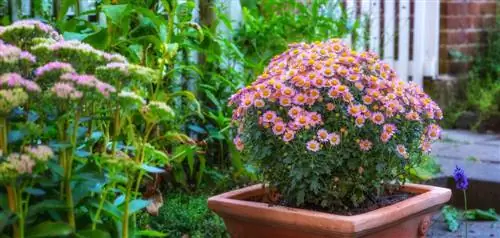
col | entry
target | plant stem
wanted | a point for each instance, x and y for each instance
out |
(101, 204)
(68, 170)
(465, 219)
(12, 200)
(125, 218)
(20, 213)
(4, 135)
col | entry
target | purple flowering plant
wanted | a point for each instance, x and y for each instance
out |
(67, 108)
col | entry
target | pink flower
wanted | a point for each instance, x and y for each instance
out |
(315, 118)
(287, 91)
(390, 129)
(259, 103)
(302, 120)
(354, 110)
(105, 89)
(64, 67)
(294, 111)
(385, 137)
(300, 99)
(238, 143)
(288, 136)
(279, 128)
(378, 118)
(247, 101)
(359, 121)
(66, 90)
(269, 116)
(433, 131)
(401, 149)
(365, 145)
(14, 80)
(334, 138)
(285, 102)
(322, 135)
(313, 146)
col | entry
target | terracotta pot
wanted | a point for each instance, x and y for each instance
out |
(406, 219)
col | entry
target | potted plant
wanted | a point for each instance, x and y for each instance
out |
(335, 134)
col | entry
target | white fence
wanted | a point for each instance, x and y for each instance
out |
(405, 33)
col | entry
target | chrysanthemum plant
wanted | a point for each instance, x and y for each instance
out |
(79, 129)
(331, 127)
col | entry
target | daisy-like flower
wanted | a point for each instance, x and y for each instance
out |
(365, 145)
(330, 106)
(313, 146)
(327, 72)
(334, 138)
(322, 135)
(359, 121)
(378, 118)
(269, 116)
(314, 94)
(247, 101)
(385, 137)
(367, 100)
(294, 111)
(334, 92)
(401, 149)
(259, 103)
(265, 93)
(315, 118)
(302, 120)
(288, 136)
(354, 110)
(287, 91)
(425, 146)
(279, 128)
(390, 129)
(300, 99)
(433, 131)
(285, 101)
(238, 143)
(412, 116)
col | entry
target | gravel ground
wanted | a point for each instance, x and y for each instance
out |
(475, 229)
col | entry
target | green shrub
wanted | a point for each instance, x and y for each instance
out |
(186, 214)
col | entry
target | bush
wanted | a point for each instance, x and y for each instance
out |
(186, 214)
(331, 127)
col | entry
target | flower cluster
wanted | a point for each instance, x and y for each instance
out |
(17, 164)
(12, 54)
(326, 101)
(86, 82)
(53, 66)
(30, 26)
(78, 48)
(14, 80)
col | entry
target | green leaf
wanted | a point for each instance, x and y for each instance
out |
(481, 215)
(50, 229)
(450, 215)
(119, 200)
(34, 191)
(150, 233)
(152, 169)
(109, 209)
(116, 12)
(45, 205)
(201, 169)
(137, 204)
(93, 234)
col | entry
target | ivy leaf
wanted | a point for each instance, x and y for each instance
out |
(450, 215)
(481, 215)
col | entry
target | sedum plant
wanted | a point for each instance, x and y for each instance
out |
(80, 129)
(332, 127)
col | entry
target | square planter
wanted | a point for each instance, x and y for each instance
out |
(408, 218)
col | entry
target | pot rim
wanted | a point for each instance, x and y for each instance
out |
(230, 204)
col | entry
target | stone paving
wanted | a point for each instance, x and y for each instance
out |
(479, 155)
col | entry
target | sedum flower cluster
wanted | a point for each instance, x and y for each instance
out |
(332, 127)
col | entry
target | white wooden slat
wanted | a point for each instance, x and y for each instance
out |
(26, 8)
(389, 31)
(374, 26)
(431, 60)
(403, 40)
(419, 33)
(350, 6)
(362, 31)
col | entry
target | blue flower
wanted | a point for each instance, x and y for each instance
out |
(460, 179)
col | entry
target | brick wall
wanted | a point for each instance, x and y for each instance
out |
(464, 29)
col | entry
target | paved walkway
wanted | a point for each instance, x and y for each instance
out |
(478, 154)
